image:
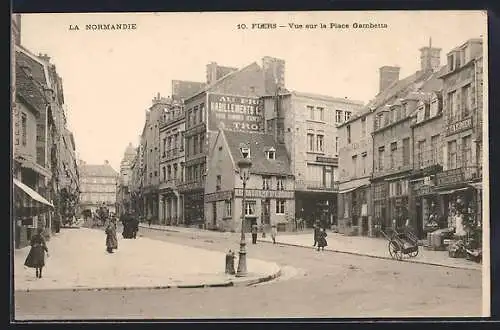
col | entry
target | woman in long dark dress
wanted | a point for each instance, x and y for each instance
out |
(36, 256)
(322, 239)
(111, 240)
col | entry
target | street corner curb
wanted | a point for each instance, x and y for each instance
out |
(259, 280)
(380, 257)
(160, 229)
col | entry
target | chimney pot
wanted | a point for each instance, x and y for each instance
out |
(430, 58)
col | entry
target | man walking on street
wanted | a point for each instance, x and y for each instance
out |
(274, 232)
(316, 233)
(255, 229)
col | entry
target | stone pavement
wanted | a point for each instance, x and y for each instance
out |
(78, 261)
(358, 245)
(372, 247)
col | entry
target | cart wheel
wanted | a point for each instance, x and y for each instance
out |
(414, 253)
(395, 251)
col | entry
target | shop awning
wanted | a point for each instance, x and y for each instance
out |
(350, 189)
(31, 193)
(477, 185)
(451, 191)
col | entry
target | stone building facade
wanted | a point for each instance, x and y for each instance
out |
(98, 184)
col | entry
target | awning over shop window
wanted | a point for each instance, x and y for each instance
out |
(451, 191)
(351, 189)
(477, 185)
(31, 193)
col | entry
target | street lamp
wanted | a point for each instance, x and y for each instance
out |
(244, 165)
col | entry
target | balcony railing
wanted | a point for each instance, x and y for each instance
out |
(316, 185)
(427, 158)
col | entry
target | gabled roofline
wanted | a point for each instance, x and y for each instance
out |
(26, 52)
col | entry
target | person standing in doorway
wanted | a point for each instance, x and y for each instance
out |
(36, 256)
(274, 232)
(255, 229)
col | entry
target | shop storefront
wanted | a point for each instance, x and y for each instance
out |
(311, 207)
(31, 211)
(194, 208)
(427, 207)
(354, 216)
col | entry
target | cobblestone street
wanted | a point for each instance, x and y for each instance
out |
(313, 284)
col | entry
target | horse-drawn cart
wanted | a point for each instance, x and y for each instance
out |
(401, 243)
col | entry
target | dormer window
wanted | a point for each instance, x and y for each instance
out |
(271, 154)
(434, 108)
(420, 112)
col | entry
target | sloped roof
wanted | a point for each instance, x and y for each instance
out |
(223, 79)
(258, 144)
(37, 68)
(327, 98)
(104, 170)
(29, 90)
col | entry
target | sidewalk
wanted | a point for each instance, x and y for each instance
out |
(78, 261)
(372, 247)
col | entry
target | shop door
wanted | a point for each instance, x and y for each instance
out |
(419, 219)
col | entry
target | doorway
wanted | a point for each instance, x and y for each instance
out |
(214, 214)
(266, 211)
(419, 221)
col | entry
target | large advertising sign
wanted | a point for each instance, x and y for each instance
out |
(235, 113)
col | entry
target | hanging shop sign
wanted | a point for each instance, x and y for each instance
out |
(450, 177)
(257, 193)
(218, 196)
(459, 126)
(235, 113)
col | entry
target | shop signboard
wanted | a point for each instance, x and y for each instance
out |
(235, 113)
(450, 177)
(257, 193)
(329, 160)
(459, 126)
(218, 196)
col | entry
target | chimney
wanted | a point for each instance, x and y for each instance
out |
(430, 58)
(44, 57)
(211, 72)
(388, 75)
(106, 162)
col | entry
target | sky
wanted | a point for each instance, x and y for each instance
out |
(110, 77)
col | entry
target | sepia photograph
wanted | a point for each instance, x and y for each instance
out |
(243, 165)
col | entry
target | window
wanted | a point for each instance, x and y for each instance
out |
(363, 163)
(427, 111)
(393, 115)
(354, 165)
(271, 154)
(338, 116)
(195, 145)
(310, 141)
(363, 127)
(175, 172)
(321, 113)
(451, 107)
(266, 182)
(381, 151)
(434, 107)
(348, 134)
(467, 151)
(164, 173)
(434, 149)
(189, 114)
(169, 172)
(182, 142)
(336, 145)
(319, 143)
(466, 101)
(156, 173)
(280, 206)
(219, 183)
(450, 62)
(280, 185)
(202, 112)
(347, 115)
(195, 115)
(452, 155)
(406, 151)
(250, 207)
(394, 148)
(188, 143)
(24, 124)
(310, 110)
(164, 146)
(420, 153)
(202, 143)
(228, 208)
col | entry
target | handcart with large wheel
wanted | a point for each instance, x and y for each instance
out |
(401, 243)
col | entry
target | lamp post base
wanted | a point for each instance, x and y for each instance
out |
(242, 261)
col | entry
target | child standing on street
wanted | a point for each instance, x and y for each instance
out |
(322, 240)
(274, 232)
